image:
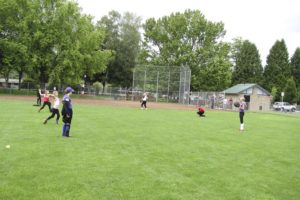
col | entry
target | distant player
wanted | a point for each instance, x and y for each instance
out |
(55, 110)
(242, 107)
(144, 101)
(38, 97)
(46, 101)
(67, 112)
(200, 111)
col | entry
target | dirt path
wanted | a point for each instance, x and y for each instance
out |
(117, 103)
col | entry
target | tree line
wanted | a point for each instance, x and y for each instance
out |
(51, 41)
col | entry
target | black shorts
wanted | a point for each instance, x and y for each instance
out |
(55, 111)
(66, 119)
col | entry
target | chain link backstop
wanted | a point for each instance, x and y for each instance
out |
(162, 83)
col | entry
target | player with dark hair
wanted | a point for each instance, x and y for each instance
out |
(38, 97)
(67, 112)
(144, 101)
(55, 110)
(201, 111)
(242, 106)
(46, 101)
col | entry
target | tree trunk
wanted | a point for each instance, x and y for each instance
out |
(103, 84)
(20, 78)
(6, 80)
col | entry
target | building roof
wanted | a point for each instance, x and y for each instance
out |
(240, 88)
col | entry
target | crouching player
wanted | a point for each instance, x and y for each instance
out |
(201, 111)
(67, 112)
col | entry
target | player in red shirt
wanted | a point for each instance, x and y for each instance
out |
(46, 101)
(201, 111)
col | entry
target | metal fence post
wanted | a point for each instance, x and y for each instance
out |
(27, 88)
(145, 77)
(157, 85)
(169, 85)
(132, 84)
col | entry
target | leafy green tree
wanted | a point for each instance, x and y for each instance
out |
(189, 39)
(65, 44)
(290, 91)
(80, 54)
(97, 85)
(50, 41)
(1, 58)
(274, 93)
(7, 59)
(123, 38)
(42, 34)
(247, 67)
(295, 65)
(277, 70)
(7, 28)
(298, 95)
(13, 37)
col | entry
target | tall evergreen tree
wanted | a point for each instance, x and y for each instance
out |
(247, 67)
(277, 70)
(295, 65)
(290, 91)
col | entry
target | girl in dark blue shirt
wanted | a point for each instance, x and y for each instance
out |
(67, 111)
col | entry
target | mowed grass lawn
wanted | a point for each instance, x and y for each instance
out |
(124, 153)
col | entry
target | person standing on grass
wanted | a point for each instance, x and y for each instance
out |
(55, 110)
(144, 101)
(67, 112)
(38, 97)
(46, 101)
(242, 112)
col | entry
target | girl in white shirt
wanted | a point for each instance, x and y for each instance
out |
(242, 112)
(144, 101)
(55, 110)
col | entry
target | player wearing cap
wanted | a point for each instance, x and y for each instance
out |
(67, 112)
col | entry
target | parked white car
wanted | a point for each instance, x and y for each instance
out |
(284, 106)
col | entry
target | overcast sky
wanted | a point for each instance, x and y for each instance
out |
(260, 21)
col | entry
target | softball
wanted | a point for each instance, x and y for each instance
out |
(7, 146)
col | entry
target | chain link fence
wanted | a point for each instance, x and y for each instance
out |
(213, 100)
(107, 92)
(162, 83)
(30, 89)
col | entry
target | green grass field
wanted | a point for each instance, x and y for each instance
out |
(124, 153)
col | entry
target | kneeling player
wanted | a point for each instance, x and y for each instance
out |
(201, 111)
